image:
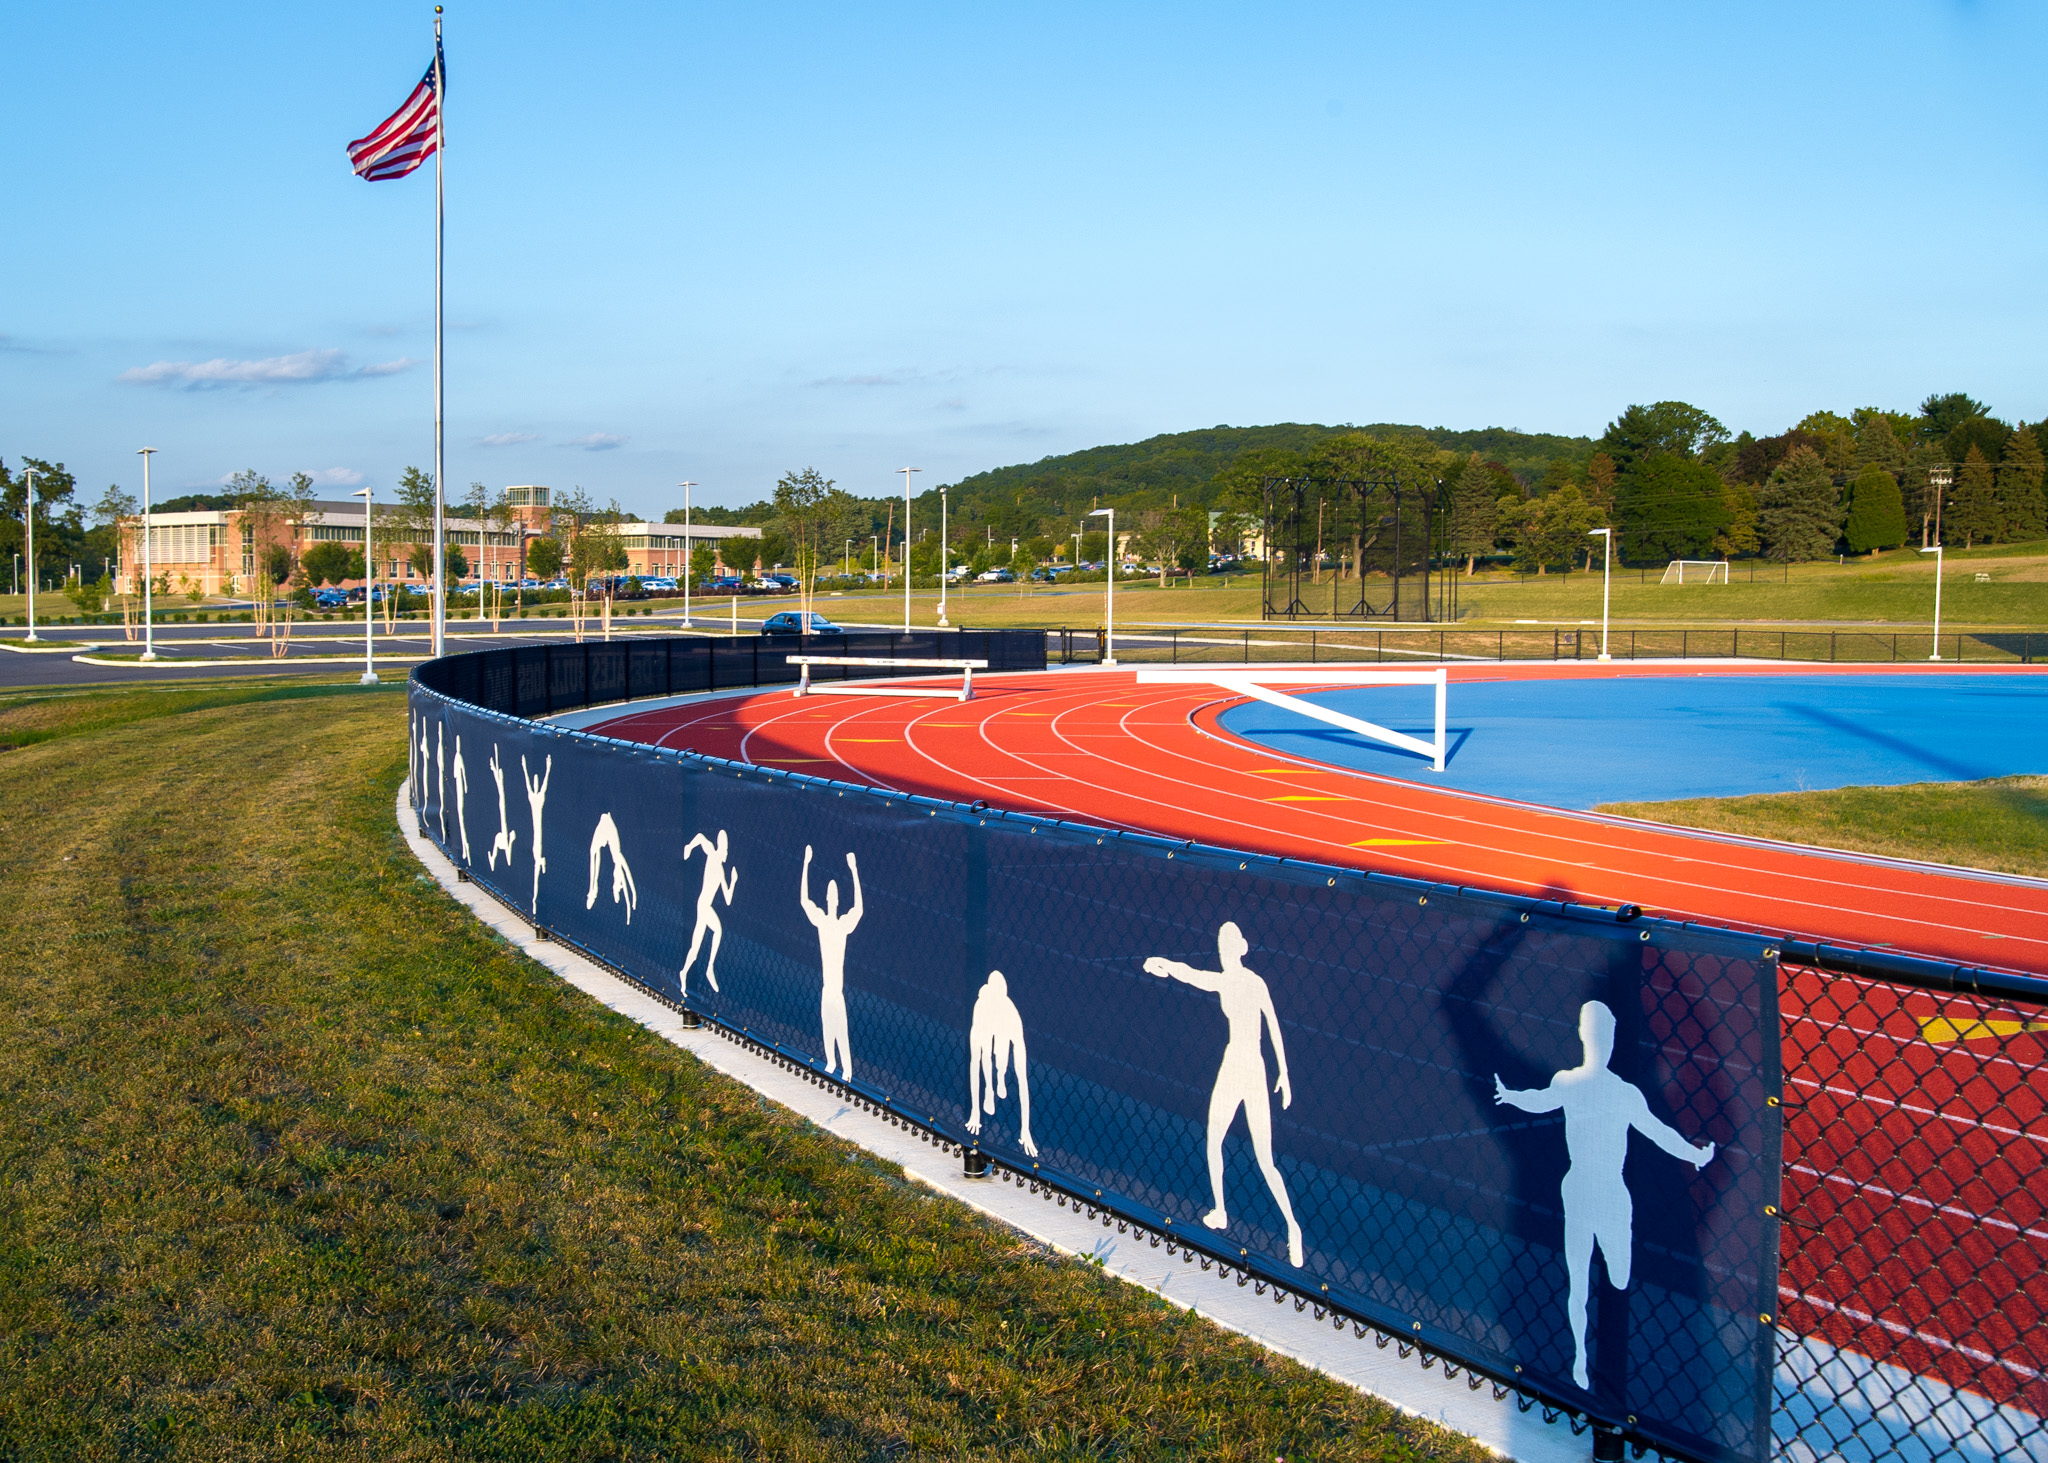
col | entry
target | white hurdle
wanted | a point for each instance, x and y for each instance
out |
(1257, 682)
(805, 686)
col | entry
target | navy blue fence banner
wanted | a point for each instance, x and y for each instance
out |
(1539, 1141)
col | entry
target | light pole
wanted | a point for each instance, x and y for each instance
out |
(1109, 590)
(1606, 574)
(688, 572)
(28, 529)
(148, 587)
(1936, 551)
(942, 556)
(906, 471)
(369, 579)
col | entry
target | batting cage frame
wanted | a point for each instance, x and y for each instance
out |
(1837, 1254)
(1361, 548)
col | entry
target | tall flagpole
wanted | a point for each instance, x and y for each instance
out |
(440, 465)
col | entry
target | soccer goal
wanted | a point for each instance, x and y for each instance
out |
(1696, 571)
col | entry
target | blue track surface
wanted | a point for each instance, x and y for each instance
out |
(1578, 743)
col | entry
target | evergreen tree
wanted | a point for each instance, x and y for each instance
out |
(1473, 513)
(1669, 507)
(1877, 514)
(1877, 445)
(2020, 506)
(1799, 511)
(1973, 506)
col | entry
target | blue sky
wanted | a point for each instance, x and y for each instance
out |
(723, 242)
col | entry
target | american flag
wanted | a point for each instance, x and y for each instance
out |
(407, 137)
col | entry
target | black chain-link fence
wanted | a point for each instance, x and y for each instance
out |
(1898, 1310)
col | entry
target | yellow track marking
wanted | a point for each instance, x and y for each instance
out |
(1941, 1030)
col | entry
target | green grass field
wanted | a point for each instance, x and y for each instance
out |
(298, 1161)
(2000, 825)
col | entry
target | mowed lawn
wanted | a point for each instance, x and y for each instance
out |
(2000, 824)
(296, 1161)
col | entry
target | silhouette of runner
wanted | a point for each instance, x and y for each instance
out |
(1599, 1109)
(996, 1037)
(716, 882)
(1241, 1079)
(536, 799)
(503, 842)
(461, 797)
(833, 928)
(607, 837)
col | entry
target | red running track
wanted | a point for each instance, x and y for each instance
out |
(1922, 1168)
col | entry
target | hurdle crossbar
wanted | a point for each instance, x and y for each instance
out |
(1258, 683)
(806, 687)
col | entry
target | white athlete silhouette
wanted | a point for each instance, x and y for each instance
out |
(461, 798)
(503, 842)
(996, 1037)
(441, 776)
(833, 928)
(1599, 1109)
(1241, 1079)
(536, 799)
(607, 837)
(716, 882)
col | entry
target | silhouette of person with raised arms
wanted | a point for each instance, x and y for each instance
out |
(1241, 1079)
(1599, 1110)
(833, 928)
(716, 882)
(503, 842)
(536, 800)
(996, 1037)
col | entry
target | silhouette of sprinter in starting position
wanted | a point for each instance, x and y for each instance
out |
(833, 928)
(716, 882)
(607, 837)
(996, 1037)
(503, 842)
(536, 800)
(1599, 1109)
(1241, 1079)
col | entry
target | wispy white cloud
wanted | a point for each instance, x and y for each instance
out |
(596, 442)
(302, 368)
(510, 439)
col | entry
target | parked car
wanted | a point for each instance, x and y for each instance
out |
(995, 576)
(796, 622)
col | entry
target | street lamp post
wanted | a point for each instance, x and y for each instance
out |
(906, 471)
(370, 579)
(1936, 551)
(148, 572)
(1109, 590)
(1606, 576)
(942, 556)
(28, 529)
(688, 572)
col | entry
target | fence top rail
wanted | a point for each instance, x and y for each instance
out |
(936, 665)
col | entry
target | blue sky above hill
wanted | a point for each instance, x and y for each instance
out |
(721, 242)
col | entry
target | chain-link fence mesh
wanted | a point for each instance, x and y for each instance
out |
(1905, 1319)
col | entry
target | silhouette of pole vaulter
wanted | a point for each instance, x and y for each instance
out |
(506, 837)
(1241, 1079)
(716, 882)
(607, 837)
(996, 1038)
(1599, 1109)
(833, 928)
(536, 801)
